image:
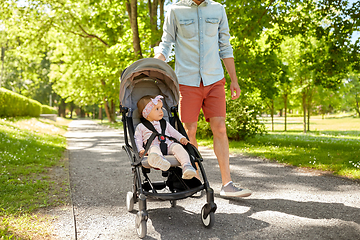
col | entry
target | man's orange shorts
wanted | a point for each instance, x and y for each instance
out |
(210, 98)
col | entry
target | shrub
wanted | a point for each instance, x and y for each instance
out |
(242, 117)
(13, 104)
(45, 109)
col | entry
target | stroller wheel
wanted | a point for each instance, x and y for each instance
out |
(129, 201)
(141, 228)
(209, 220)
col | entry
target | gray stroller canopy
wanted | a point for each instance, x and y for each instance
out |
(148, 76)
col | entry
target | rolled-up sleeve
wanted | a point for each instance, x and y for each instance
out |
(226, 50)
(168, 37)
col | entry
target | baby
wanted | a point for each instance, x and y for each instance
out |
(151, 109)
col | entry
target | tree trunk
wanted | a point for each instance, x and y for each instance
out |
(62, 108)
(308, 112)
(357, 109)
(82, 112)
(100, 113)
(131, 7)
(72, 106)
(304, 109)
(162, 15)
(109, 114)
(272, 115)
(2, 65)
(113, 109)
(108, 111)
(310, 95)
(153, 21)
(308, 118)
(285, 106)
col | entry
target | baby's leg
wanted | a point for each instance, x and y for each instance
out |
(183, 157)
(155, 149)
(180, 154)
(156, 159)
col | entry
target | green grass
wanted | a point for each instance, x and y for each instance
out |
(29, 148)
(334, 146)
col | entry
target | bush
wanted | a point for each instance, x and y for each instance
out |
(13, 104)
(241, 118)
(45, 109)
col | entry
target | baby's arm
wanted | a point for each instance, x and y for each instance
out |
(175, 134)
(139, 140)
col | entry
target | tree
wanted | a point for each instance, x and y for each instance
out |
(353, 95)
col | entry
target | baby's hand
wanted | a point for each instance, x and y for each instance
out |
(141, 153)
(184, 141)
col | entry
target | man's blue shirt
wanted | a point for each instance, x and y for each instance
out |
(201, 38)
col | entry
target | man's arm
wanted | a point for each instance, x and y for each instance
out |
(234, 86)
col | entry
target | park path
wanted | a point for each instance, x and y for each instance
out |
(287, 203)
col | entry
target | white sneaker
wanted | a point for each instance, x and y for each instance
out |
(188, 171)
(157, 161)
(231, 191)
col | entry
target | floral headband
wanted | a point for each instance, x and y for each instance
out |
(151, 105)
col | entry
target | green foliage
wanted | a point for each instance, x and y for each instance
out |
(47, 110)
(78, 48)
(13, 104)
(203, 127)
(242, 117)
(352, 96)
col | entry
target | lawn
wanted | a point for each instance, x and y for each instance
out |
(333, 145)
(30, 148)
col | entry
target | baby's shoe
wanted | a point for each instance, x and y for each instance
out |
(157, 161)
(188, 171)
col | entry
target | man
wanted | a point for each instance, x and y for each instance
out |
(199, 29)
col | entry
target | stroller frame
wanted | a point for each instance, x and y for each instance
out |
(145, 188)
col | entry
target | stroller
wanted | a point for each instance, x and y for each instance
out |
(151, 76)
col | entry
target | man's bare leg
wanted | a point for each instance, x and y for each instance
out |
(190, 129)
(220, 141)
(221, 147)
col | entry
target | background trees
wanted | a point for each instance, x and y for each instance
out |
(288, 53)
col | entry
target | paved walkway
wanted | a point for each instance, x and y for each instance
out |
(287, 203)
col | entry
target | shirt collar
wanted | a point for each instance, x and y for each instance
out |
(191, 2)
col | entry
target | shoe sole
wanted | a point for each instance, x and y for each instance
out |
(189, 174)
(156, 161)
(236, 194)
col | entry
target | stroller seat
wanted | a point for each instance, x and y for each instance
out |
(170, 158)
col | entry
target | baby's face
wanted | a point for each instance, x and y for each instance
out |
(156, 113)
